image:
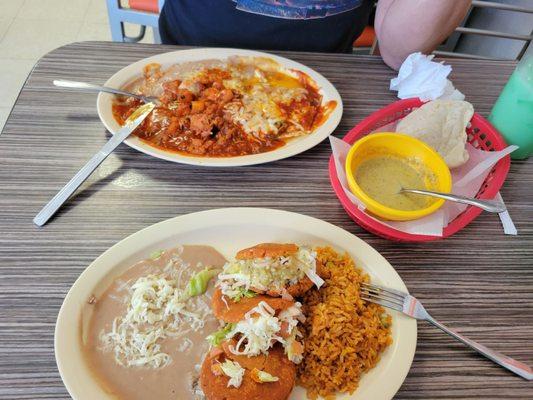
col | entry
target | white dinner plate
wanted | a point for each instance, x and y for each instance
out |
(294, 146)
(228, 230)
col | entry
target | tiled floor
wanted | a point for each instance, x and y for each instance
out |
(31, 28)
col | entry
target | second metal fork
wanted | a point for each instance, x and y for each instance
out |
(410, 306)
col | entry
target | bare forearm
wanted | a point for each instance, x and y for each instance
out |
(407, 26)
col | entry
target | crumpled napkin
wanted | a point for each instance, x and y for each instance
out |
(420, 77)
(466, 179)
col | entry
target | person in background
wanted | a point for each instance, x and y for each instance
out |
(402, 26)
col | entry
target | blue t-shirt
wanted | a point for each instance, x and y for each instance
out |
(304, 25)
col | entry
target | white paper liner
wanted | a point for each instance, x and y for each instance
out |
(466, 180)
(505, 218)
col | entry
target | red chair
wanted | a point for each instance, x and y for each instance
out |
(365, 39)
(145, 5)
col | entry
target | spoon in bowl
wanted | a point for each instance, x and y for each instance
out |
(88, 87)
(492, 206)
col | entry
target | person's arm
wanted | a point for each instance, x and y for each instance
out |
(406, 26)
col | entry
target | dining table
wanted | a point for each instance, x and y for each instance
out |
(478, 282)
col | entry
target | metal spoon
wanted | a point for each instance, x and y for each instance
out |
(493, 206)
(95, 88)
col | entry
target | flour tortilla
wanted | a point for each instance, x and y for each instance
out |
(441, 124)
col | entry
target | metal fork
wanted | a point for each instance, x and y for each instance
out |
(410, 306)
(89, 87)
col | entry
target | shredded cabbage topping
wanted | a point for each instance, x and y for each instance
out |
(242, 294)
(219, 336)
(156, 254)
(270, 273)
(260, 328)
(198, 283)
(234, 371)
(158, 308)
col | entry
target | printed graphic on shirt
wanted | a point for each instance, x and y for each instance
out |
(297, 9)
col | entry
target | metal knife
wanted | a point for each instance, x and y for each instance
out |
(131, 123)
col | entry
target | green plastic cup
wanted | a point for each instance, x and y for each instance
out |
(512, 113)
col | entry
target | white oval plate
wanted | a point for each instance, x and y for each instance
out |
(295, 146)
(229, 230)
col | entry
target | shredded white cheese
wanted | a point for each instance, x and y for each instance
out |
(264, 376)
(234, 371)
(260, 328)
(258, 332)
(292, 316)
(293, 347)
(158, 308)
(185, 345)
(258, 109)
(270, 273)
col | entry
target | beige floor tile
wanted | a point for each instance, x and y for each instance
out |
(31, 39)
(4, 113)
(10, 8)
(4, 25)
(13, 74)
(149, 36)
(53, 10)
(97, 11)
(94, 31)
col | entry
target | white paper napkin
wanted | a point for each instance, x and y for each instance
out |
(466, 179)
(420, 77)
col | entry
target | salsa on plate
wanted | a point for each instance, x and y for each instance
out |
(225, 108)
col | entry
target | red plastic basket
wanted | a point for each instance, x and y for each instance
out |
(481, 135)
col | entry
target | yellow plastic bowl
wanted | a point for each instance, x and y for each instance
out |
(403, 146)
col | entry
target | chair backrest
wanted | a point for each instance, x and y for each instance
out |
(449, 48)
(138, 12)
(153, 6)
